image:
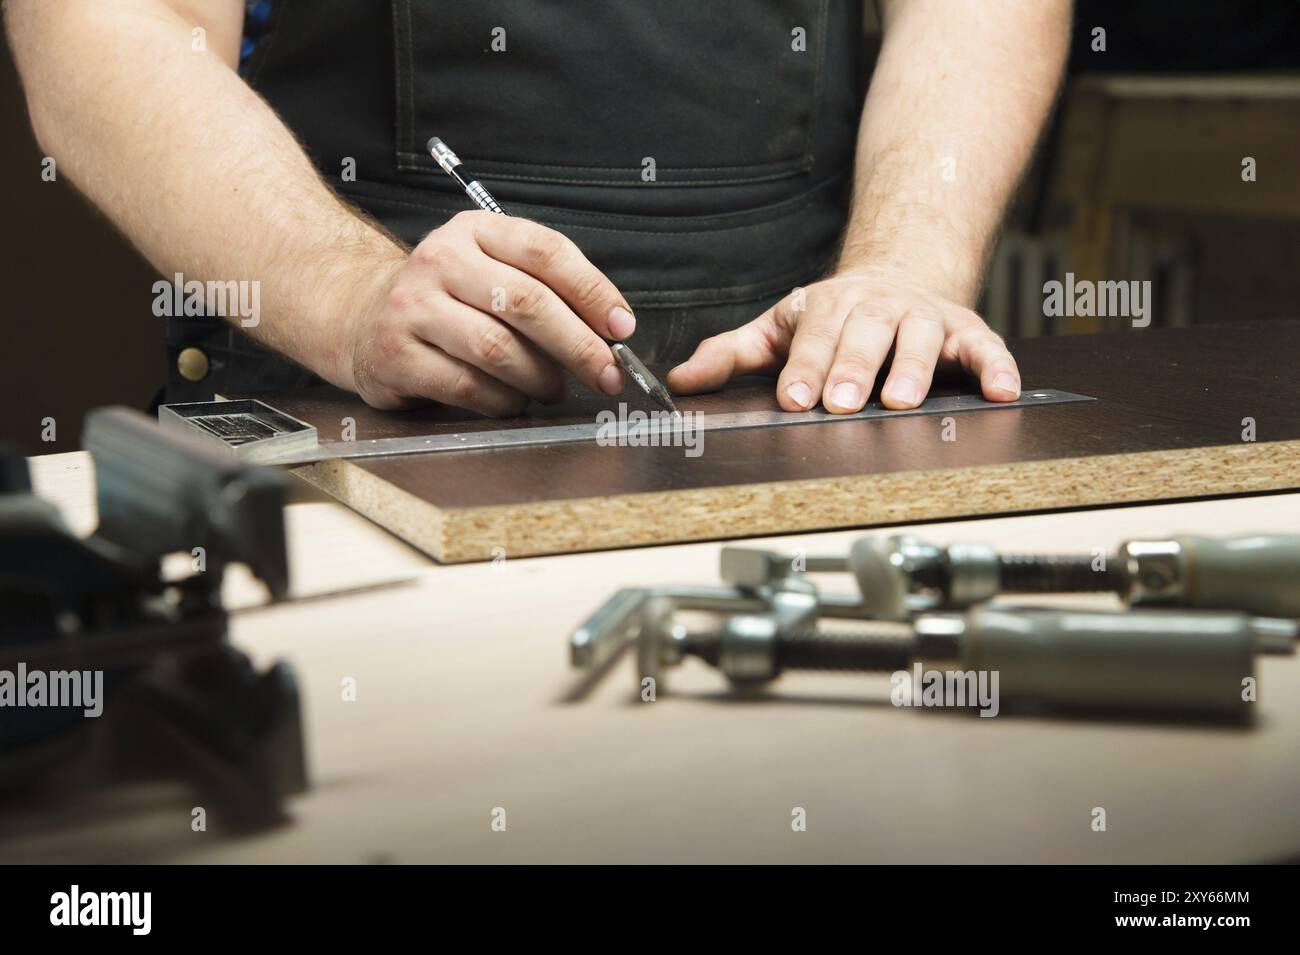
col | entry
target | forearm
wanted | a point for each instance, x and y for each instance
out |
(195, 168)
(959, 95)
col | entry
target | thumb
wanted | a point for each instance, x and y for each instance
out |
(756, 348)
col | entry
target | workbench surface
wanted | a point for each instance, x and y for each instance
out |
(460, 673)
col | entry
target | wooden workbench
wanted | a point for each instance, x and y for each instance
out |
(460, 672)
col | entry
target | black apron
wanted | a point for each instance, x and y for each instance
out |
(698, 151)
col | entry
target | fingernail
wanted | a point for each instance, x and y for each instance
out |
(610, 380)
(621, 323)
(800, 394)
(847, 395)
(904, 392)
(1006, 382)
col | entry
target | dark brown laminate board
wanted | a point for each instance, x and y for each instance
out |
(1168, 424)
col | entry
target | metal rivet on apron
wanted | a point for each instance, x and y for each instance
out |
(192, 363)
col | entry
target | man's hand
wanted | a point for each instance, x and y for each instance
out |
(834, 336)
(960, 91)
(482, 315)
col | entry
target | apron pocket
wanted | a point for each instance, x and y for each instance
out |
(596, 91)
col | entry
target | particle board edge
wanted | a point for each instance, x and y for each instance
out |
(399, 512)
(460, 535)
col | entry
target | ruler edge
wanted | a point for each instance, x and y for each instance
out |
(258, 453)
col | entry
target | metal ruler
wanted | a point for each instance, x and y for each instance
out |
(260, 434)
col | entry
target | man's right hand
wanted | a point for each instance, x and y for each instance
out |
(483, 315)
(204, 178)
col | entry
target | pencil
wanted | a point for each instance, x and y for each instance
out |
(633, 366)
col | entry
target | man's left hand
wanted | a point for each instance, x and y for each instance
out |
(834, 336)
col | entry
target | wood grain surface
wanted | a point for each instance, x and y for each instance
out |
(464, 705)
(1168, 424)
